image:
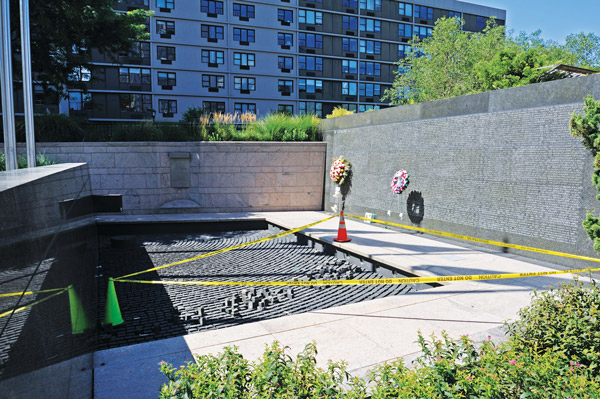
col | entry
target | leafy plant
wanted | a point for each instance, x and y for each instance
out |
(587, 126)
(40, 159)
(339, 111)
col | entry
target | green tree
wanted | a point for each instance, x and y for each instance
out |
(441, 66)
(585, 47)
(453, 62)
(64, 32)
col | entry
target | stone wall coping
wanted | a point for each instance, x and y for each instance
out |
(564, 91)
(15, 178)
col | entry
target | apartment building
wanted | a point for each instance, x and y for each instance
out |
(297, 56)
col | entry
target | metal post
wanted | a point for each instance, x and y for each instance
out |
(8, 111)
(27, 84)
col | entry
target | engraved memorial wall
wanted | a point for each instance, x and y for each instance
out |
(499, 165)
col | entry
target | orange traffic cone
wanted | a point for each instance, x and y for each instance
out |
(342, 236)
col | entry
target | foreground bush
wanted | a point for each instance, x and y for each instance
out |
(552, 353)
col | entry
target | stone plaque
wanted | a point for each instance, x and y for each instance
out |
(180, 169)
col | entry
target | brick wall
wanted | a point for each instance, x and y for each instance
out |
(224, 177)
(499, 165)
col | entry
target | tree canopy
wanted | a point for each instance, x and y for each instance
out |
(453, 62)
(64, 32)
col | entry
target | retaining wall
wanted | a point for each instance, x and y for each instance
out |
(201, 177)
(500, 165)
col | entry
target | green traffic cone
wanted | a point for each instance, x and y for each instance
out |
(79, 321)
(112, 312)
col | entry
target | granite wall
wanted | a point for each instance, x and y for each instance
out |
(500, 165)
(157, 177)
(44, 246)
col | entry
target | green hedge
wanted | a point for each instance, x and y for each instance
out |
(552, 352)
(274, 127)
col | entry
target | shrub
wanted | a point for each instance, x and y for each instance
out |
(552, 352)
(564, 319)
(40, 160)
(274, 375)
(339, 111)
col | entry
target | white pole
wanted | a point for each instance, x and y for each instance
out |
(8, 111)
(27, 84)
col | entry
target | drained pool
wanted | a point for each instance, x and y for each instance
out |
(153, 312)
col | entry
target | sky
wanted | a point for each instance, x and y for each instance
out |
(556, 18)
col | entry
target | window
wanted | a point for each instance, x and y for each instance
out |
(369, 89)
(165, 53)
(134, 76)
(167, 79)
(285, 109)
(140, 50)
(243, 59)
(349, 107)
(129, 102)
(405, 10)
(310, 85)
(370, 47)
(311, 108)
(168, 4)
(370, 68)
(350, 23)
(423, 12)
(423, 31)
(285, 40)
(165, 27)
(213, 81)
(349, 44)
(480, 22)
(212, 32)
(285, 87)
(404, 30)
(80, 74)
(286, 17)
(286, 64)
(453, 14)
(349, 66)
(310, 40)
(364, 107)
(242, 108)
(373, 5)
(370, 25)
(243, 11)
(79, 101)
(349, 88)
(213, 106)
(350, 3)
(211, 7)
(167, 106)
(244, 36)
(310, 17)
(213, 57)
(403, 50)
(244, 84)
(310, 63)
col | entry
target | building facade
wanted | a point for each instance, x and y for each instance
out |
(297, 56)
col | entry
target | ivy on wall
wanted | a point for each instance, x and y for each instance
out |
(587, 126)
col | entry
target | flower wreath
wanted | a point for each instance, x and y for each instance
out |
(339, 170)
(399, 181)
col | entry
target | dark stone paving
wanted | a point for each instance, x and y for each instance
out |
(153, 312)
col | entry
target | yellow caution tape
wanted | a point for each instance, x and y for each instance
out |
(29, 292)
(62, 290)
(403, 280)
(479, 240)
(220, 251)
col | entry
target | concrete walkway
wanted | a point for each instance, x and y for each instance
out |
(362, 334)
